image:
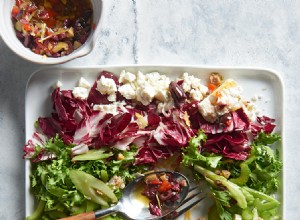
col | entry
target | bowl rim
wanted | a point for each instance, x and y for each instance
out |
(28, 55)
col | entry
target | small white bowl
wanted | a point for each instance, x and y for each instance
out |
(8, 35)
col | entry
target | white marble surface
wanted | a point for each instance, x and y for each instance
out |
(212, 32)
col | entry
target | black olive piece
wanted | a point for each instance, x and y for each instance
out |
(20, 36)
(28, 40)
(177, 94)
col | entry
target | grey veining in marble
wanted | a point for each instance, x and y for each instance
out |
(212, 32)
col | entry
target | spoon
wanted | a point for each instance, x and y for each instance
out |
(132, 204)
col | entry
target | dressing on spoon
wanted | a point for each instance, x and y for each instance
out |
(134, 205)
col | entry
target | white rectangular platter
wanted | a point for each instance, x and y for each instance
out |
(254, 81)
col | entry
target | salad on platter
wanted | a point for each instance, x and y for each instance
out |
(102, 135)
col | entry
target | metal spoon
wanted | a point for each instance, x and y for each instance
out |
(131, 204)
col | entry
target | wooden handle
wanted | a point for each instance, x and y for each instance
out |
(83, 216)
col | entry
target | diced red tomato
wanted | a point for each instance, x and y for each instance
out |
(27, 27)
(15, 11)
(165, 186)
(155, 182)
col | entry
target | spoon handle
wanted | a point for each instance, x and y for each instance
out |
(104, 212)
(92, 215)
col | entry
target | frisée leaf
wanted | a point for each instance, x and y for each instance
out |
(191, 154)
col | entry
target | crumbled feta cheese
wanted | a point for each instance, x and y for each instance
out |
(80, 93)
(84, 83)
(207, 110)
(161, 85)
(112, 97)
(162, 95)
(224, 99)
(196, 95)
(190, 82)
(58, 84)
(164, 107)
(82, 90)
(110, 108)
(145, 94)
(193, 86)
(126, 77)
(140, 78)
(107, 86)
(146, 86)
(127, 91)
(203, 89)
(251, 110)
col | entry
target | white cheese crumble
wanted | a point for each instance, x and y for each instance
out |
(84, 83)
(196, 95)
(251, 110)
(107, 86)
(145, 94)
(126, 77)
(58, 84)
(154, 85)
(127, 91)
(193, 86)
(190, 82)
(110, 108)
(80, 93)
(144, 87)
(164, 107)
(224, 99)
(82, 90)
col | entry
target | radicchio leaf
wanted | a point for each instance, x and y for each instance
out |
(234, 145)
(95, 97)
(264, 124)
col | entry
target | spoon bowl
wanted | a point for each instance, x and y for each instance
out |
(133, 205)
